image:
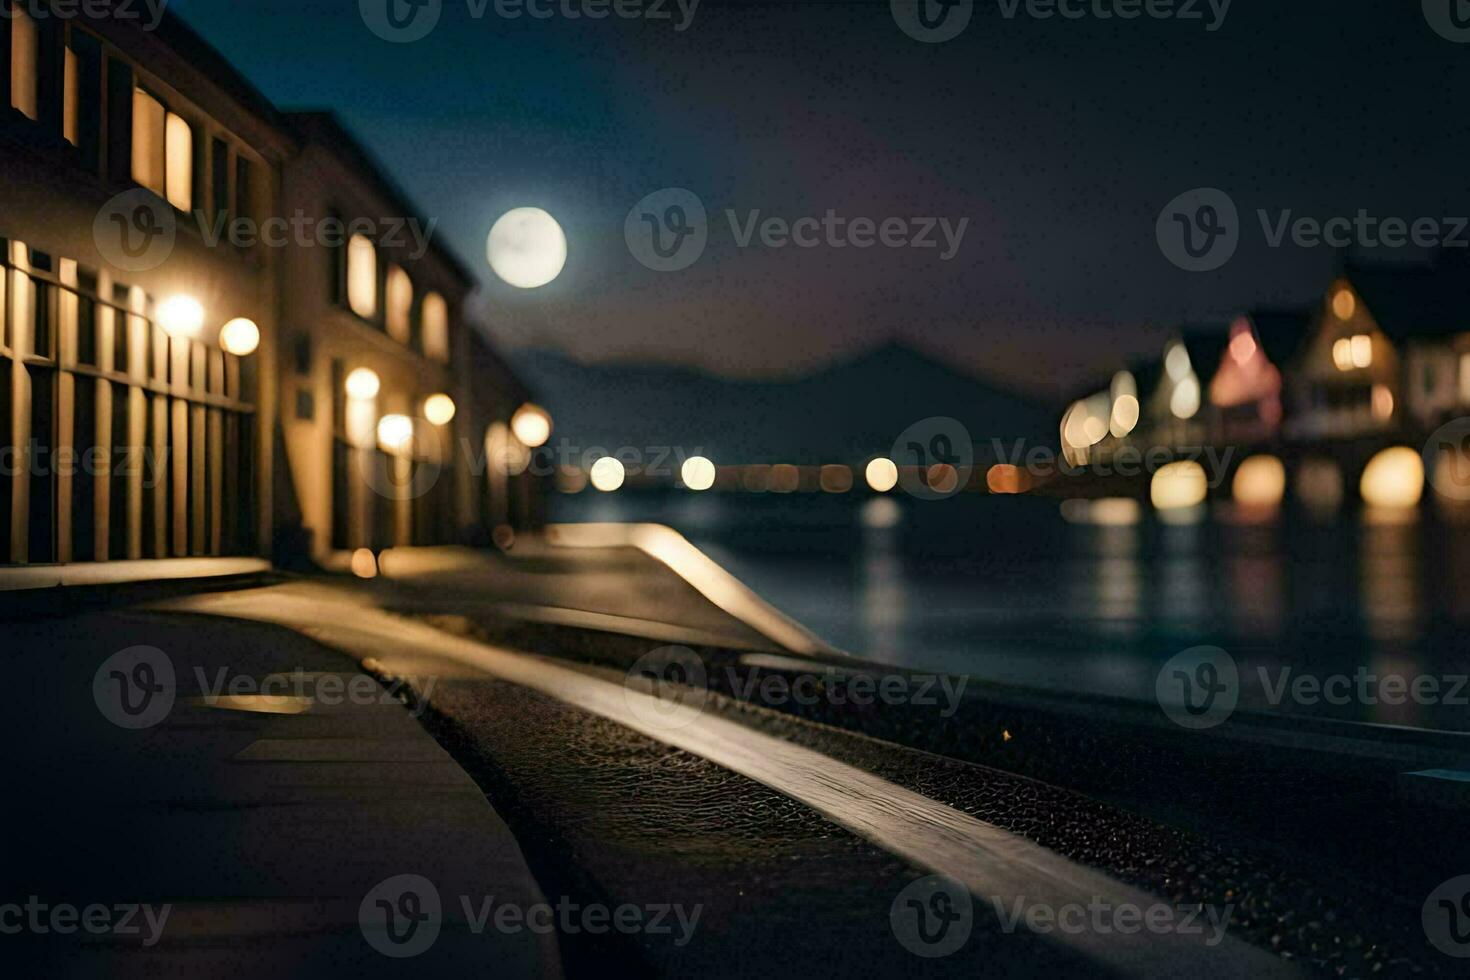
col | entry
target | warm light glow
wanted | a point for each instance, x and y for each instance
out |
(1179, 485)
(1362, 350)
(363, 564)
(395, 432)
(1260, 482)
(1125, 416)
(179, 168)
(439, 409)
(531, 425)
(835, 478)
(607, 474)
(434, 324)
(1242, 346)
(24, 48)
(942, 478)
(1093, 430)
(181, 316)
(527, 248)
(881, 474)
(362, 277)
(1114, 512)
(1382, 402)
(756, 478)
(1005, 478)
(697, 473)
(569, 479)
(239, 337)
(785, 478)
(1394, 479)
(1176, 361)
(880, 513)
(1342, 353)
(1344, 304)
(1184, 402)
(148, 140)
(398, 300)
(1106, 512)
(363, 384)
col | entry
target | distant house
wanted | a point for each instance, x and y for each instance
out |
(1176, 411)
(1247, 391)
(1151, 403)
(1391, 349)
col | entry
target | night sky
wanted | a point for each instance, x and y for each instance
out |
(1059, 140)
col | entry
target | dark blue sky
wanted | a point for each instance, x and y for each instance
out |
(1059, 140)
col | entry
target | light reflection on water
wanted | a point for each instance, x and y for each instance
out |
(1005, 590)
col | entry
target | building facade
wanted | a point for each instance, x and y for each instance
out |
(186, 350)
(128, 440)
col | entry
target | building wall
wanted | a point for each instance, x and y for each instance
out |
(324, 341)
(128, 443)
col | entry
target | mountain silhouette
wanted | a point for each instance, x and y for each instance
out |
(847, 412)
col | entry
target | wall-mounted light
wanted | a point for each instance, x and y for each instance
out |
(239, 337)
(363, 384)
(531, 425)
(395, 432)
(439, 409)
(181, 316)
(607, 474)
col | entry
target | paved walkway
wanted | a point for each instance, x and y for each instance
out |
(262, 818)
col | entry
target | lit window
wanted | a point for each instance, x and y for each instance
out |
(23, 50)
(362, 277)
(1382, 402)
(163, 151)
(148, 127)
(1464, 378)
(179, 144)
(1342, 353)
(1362, 350)
(1344, 304)
(436, 328)
(399, 300)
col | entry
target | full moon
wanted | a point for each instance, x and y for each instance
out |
(527, 248)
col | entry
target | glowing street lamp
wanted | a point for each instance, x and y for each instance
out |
(395, 432)
(439, 409)
(882, 474)
(607, 474)
(531, 425)
(239, 337)
(181, 316)
(363, 384)
(698, 473)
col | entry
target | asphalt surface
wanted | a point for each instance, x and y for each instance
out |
(746, 874)
(261, 821)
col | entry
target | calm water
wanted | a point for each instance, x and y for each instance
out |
(1006, 590)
